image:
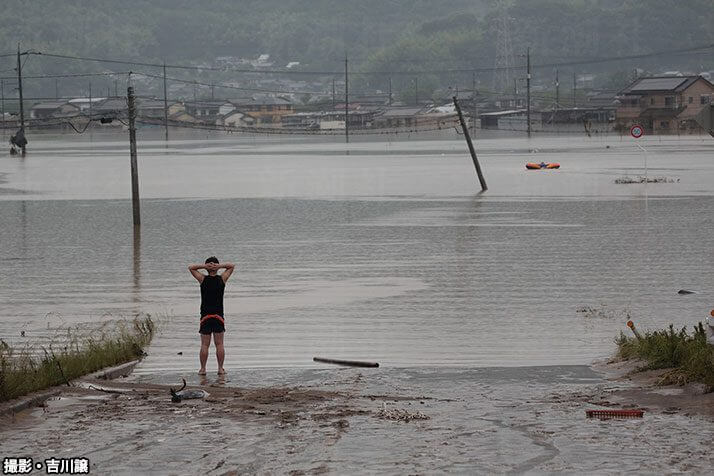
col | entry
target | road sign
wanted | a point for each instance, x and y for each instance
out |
(637, 131)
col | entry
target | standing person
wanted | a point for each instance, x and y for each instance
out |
(212, 321)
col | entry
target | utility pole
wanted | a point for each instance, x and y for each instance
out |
(56, 88)
(575, 90)
(470, 144)
(528, 91)
(333, 94)
(416, 91)
(557, 90)
(347, 104)
(22, 107)
(390, 90)
(116, 90)
(213, 90)
(90, 100)
(2, 106)
(132, 156)
(166, 109)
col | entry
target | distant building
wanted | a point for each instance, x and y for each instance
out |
(53, 109)
(266, 109)
(209, 109)
(235, 118)
(664, 104)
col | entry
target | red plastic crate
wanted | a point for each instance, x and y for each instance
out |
(611, 413)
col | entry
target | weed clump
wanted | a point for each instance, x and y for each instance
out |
(690, 357)
(31, 369)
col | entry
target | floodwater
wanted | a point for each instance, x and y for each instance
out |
(379, 250)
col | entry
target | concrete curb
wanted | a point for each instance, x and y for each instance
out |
(38, 398)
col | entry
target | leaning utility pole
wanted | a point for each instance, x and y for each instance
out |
(347, 104)
(470, 144)
(166, 109)
(528, 91)
(19, 85)
(132, 155)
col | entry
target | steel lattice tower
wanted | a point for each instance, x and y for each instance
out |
(503, 74)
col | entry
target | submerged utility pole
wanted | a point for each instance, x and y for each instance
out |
(166, 109)
(19, 86)
(347, 104)
(132, 156)
(470, 144)
(528, 91)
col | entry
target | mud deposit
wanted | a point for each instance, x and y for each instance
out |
(347, 421)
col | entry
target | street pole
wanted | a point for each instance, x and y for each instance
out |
(557, 90)
(166, 109)
(90, 100)
(22, 107)
(347, 104)
(333, 94)
(528, 91)
(390, 90)
(470, 145)
(132, 155)
(416, 91)
(575, 90)
(2, 106)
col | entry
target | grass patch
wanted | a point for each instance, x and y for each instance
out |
(30, 369)
(690, 357)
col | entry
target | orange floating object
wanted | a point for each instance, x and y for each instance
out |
(604, 414)
(542, 165)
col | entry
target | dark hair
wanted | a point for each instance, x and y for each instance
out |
(211, 259)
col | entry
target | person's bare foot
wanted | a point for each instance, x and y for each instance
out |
(202, 372)
(221, 372)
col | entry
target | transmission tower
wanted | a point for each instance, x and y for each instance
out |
(504, 49)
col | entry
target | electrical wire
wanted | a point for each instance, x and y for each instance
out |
(340, 73)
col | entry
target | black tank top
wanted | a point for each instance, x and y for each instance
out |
(212, 295)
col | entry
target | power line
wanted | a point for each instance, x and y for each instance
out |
(226, 86)
(339, 73)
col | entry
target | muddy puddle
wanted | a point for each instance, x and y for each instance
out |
(378, 421)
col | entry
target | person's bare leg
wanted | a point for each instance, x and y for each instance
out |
(203, 354)
(220, 351)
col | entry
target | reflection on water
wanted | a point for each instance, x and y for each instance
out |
(386, 256)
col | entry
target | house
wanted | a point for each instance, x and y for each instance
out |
(235, 118)
(266, 109)
(53, 109)
(209, 109)
(664, 104)
(154, 108)
(398, 117)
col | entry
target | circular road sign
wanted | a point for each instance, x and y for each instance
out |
(637, 131)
